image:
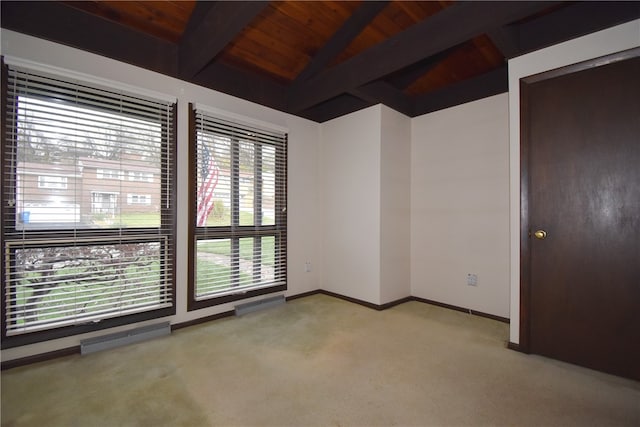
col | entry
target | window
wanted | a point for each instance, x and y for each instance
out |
(140, 176)
(52, 182)
(138, 199)
(104, 203)
(75, 259)
(109, 174)
(238, 194)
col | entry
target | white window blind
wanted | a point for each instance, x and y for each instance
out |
(240, 209)
(75, 252)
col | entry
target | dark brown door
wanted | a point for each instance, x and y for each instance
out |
(581, 186)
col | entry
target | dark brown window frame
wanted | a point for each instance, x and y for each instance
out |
(168, 215)
(235, 232)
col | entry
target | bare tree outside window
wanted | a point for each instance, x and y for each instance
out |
(89, 235)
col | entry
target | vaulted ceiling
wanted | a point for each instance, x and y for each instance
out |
(322, 59)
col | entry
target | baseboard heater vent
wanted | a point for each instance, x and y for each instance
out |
(119, 339)
(259, 305)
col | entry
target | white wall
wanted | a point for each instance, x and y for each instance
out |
(365, 183)
(395, 186)
(303, 208)
(460, 206)
(612, 40)
(350, 204)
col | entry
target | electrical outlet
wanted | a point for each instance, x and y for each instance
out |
(472, 279)
(307, 267)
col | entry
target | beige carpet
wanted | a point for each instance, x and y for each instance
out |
(324, 362)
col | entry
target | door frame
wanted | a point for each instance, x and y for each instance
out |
(524, 344)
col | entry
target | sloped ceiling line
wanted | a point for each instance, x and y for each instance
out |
(215, 30)
(380, 74)
(341, 39)
(451, 26)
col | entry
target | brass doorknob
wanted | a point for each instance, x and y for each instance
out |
(540, 234)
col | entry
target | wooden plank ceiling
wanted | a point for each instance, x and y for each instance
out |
(322, 59)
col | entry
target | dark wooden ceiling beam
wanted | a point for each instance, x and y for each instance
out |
(199, 12)
(380, 92)
(575, 20)
(66, 25)
(342, 38)
(242, 84)
(488, 84)
(403, 78)
(222, 22)
(336, 107)
(507, 40)
(450, 27)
